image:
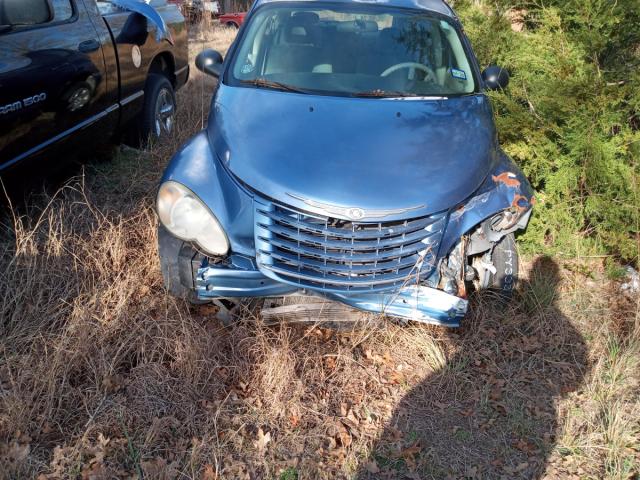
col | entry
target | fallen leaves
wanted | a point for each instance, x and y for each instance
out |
(90, 458)
(525, 446)
(519, 468)
(294, 420)
(262, 440)
(408, 455)
(16, 450)
(209, 473)
(112, 383)
(372, 467)
(343, 438)
(336, 400)
(330, 363)
(159, 469)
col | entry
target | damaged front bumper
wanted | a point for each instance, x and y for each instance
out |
(239, 278)
(280, 249)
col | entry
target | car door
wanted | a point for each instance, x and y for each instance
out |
(53, 81)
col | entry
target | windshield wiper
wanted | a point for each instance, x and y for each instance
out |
(264, 83)
(377, 93)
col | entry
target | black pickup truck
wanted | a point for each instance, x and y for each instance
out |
(76, 72)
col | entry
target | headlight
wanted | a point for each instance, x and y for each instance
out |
(187, 218)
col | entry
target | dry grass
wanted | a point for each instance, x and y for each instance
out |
(102, 375)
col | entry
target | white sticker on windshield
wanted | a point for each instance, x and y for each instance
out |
(459, 74)
(246, 68)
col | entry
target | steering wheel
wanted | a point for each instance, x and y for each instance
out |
(412, 66)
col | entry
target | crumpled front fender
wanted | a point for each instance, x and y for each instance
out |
(503, 188)
(197, 167)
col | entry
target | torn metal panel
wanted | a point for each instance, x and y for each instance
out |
(510, 179)
(452, 279)
(216, 281)
(309, 309)
(413, 302)
(505, 188)
(150, 13)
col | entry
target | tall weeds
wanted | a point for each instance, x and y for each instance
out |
(103, 375)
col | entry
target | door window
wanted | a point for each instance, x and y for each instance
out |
(62, 10)
(25, 14)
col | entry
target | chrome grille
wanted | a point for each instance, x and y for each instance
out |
(338, 255)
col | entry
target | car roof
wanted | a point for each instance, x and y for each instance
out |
(439, 6)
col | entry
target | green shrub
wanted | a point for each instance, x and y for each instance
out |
(571, 115)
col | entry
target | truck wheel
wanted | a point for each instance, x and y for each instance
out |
(233, 25)
(158, 114)
(77, 96)
(504, 259)
(169, 250)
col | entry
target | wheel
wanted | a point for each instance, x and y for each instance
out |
(497, 270)
(169, 248)
(77, 96)
(232, 25)
(158, 114)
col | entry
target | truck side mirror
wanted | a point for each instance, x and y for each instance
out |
(134, 30)
(25, 12)
(495, 78)
(210, 62)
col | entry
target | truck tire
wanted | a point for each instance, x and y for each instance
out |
(158, 115)
(169, 250)
(505, 261)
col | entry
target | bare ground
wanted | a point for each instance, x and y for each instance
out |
(102, 375)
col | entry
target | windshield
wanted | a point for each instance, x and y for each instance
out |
(360, 50)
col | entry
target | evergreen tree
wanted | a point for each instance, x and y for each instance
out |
(571, 116)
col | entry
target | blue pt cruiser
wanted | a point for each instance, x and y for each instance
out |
(350, 153)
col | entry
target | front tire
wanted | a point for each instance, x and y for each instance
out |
(497, 270)
(158, 114)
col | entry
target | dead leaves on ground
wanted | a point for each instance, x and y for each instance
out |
(346, 394)
(262, 441)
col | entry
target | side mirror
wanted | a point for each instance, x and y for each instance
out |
(25, 12)
(495, 78)
(134, 31)
(209, 62)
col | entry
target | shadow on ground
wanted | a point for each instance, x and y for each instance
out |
(492, 413)
(35, 181)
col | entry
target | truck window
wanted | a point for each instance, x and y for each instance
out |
(62, 10)
(29, 13)
(24, 12)
(106, 8)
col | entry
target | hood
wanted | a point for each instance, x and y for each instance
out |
(393, 158)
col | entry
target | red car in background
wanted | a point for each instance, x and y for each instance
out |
(232, 19)
(194, 10)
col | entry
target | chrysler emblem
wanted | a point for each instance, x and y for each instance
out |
(352, 213)
(355, 213)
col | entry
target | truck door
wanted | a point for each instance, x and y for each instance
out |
(53, 80)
